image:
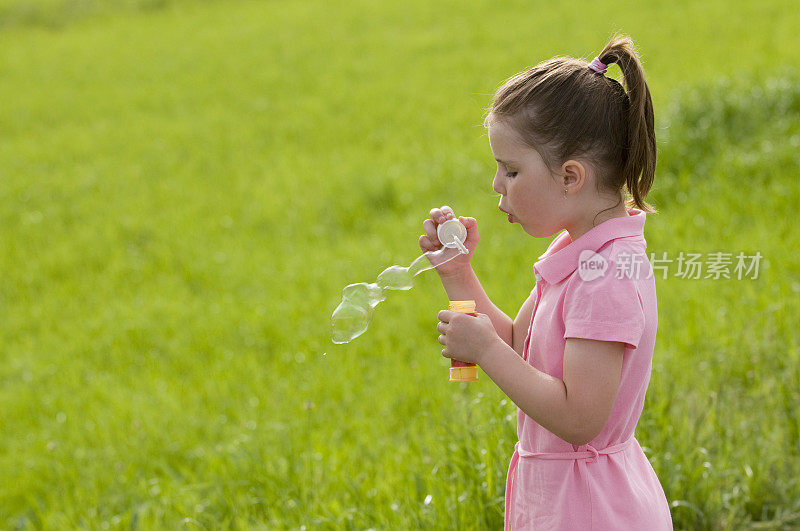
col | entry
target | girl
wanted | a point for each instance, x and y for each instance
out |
(569, 143)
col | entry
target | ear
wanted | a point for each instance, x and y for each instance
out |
(574, 175)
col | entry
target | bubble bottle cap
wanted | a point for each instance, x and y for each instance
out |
(452, 233)
(463, 306)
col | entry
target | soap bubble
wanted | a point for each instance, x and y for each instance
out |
(354, 314)
(363, 294)
(349, 321)
(396, 277)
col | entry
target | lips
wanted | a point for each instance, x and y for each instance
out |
(510, 217)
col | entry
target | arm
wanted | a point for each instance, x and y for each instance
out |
(458, 278)
(576, 408)
(466, 286)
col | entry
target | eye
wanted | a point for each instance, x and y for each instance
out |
(511, 174)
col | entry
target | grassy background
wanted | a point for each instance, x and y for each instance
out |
(189, 186)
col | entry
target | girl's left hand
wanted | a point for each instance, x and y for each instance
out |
(466, 338)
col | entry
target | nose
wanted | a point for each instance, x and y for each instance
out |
(497, 183)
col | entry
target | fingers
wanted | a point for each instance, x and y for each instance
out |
(426, 245)
(442, 327)
(440, 215)
(471, 225)
(429, 239)
(468, 222)
(443, 341)
(448, 213)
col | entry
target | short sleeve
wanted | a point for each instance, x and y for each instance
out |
(605, 308)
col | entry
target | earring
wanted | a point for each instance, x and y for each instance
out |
(565, 193)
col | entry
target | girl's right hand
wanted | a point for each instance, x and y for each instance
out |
(430, 242)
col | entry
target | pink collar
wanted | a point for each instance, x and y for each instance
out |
(561, 257)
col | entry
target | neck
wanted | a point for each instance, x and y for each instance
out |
(597, 216)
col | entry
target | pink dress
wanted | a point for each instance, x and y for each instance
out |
(599, 287)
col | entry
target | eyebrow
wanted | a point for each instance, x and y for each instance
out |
(505, 162)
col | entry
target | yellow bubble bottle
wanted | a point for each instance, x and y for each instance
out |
(461, 371)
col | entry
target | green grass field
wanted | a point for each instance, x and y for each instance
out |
(189, 186)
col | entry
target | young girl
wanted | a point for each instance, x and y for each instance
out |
(569, 143)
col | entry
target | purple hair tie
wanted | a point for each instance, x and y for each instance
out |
(598, 66)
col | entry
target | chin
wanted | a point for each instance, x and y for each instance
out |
(540, 233)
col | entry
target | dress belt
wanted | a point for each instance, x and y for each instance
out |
(590, 453)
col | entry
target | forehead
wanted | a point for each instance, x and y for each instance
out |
(506, 143)
(503, 138)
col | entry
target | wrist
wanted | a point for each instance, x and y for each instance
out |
(457, 275)
(493, 352)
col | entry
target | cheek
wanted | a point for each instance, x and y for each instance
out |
(524, 195)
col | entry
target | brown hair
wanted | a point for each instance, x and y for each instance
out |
(563, 109)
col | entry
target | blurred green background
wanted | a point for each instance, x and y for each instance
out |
(189, 186)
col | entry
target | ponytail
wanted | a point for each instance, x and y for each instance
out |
(640, 166)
